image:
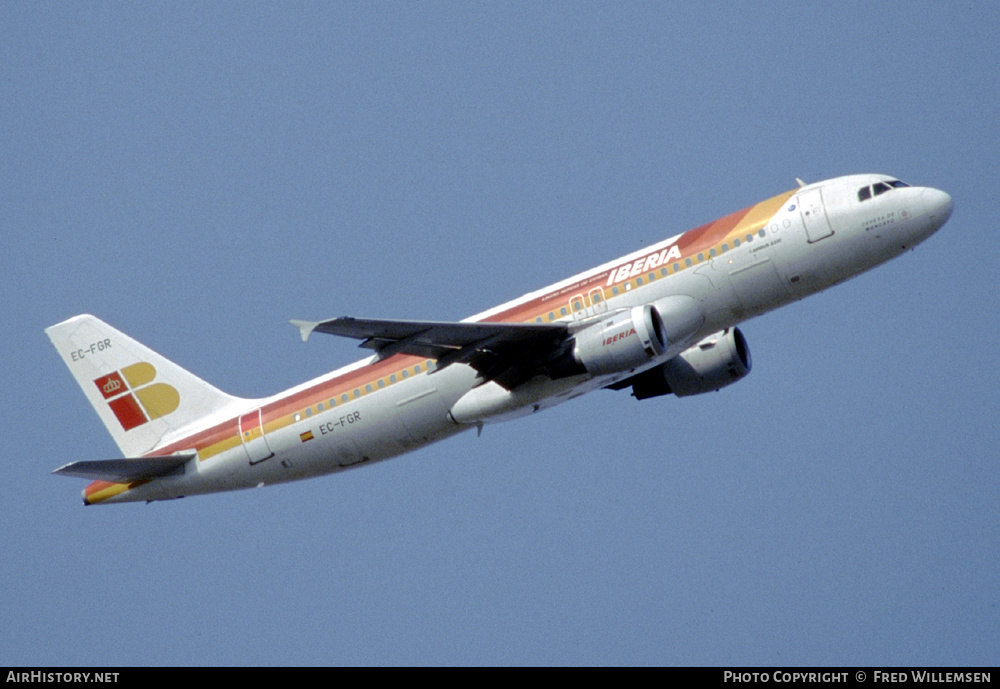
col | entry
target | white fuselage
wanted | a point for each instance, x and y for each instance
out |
(741, 266)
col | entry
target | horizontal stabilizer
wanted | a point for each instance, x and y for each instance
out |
(125, 470)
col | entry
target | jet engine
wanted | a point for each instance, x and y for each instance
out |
(630, 338)
(621, 342)
(717, 361)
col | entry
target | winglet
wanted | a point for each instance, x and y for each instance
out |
(801, 183)
(305, 328)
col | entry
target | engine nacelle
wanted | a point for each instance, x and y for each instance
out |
(621, 342)
(715, 362)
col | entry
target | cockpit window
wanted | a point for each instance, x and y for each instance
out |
(865, 193)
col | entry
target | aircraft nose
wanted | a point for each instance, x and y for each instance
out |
(938, 205)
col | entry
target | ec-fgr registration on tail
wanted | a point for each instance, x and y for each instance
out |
(659, 321)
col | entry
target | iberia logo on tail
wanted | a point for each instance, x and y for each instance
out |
(134, 397)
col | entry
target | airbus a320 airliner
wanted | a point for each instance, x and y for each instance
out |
(659, 321)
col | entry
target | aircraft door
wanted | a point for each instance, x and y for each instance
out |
(252, 435)
(814, 215)
(586, 306)
(597, 302)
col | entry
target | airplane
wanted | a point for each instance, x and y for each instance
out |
(660, 321)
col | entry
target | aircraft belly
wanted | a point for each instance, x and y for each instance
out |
(424, 415)
(492, 403)
(388, 422)
(757, 286)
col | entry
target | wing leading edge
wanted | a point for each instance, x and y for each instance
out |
(509, 353)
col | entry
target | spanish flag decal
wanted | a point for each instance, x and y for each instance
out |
(308, 435)
(133, 396)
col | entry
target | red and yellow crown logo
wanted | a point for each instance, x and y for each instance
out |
(134, 397)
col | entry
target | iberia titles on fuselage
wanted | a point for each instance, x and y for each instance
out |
(659, 321)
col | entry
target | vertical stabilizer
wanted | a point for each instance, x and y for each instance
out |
(141, 397)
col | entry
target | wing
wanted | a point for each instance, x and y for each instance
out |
(509, 353)
(125, 470)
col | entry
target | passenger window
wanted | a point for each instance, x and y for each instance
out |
(864, 193)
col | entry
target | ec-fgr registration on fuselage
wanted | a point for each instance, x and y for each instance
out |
(659, 321)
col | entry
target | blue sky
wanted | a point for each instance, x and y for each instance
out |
(197, 174)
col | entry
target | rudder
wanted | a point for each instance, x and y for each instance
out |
(141, 396)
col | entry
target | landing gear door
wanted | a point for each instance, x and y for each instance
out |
(814, 215)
